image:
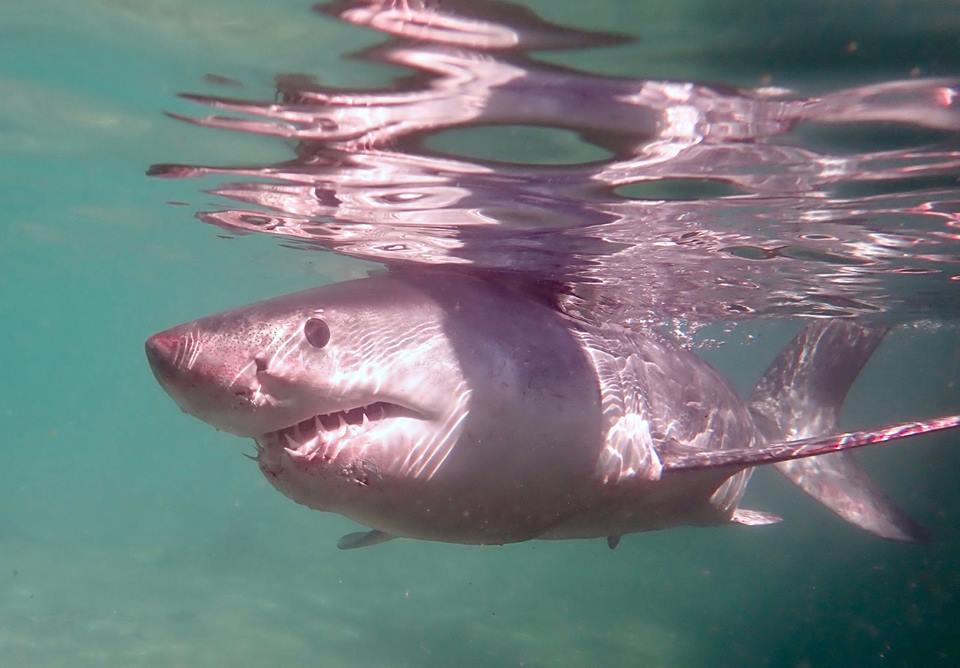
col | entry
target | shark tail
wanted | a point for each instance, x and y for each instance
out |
(796, 405)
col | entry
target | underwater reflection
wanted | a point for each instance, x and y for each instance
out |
(711, 201)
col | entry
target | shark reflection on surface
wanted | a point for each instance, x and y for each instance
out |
(509, 378)
(795, 230)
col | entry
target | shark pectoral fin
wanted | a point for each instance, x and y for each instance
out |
(753, 518)
(363, 539)
(613, 541)
(838, 482)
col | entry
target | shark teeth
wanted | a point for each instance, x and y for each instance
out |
(318, 434)
(327, 435)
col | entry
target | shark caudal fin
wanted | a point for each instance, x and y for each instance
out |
(799, 397)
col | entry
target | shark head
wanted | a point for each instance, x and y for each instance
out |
(352, 380)
(432, 406)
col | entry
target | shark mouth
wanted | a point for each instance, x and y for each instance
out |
(325, 435)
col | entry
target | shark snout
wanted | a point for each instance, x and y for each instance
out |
(221, 389)
(176, 360)
(162, 349)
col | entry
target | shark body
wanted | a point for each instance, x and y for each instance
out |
(447, 407)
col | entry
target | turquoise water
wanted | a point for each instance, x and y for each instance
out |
(133, 535)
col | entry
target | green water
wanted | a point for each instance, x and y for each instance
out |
(132, 535)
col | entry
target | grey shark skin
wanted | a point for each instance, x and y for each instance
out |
(443, 407)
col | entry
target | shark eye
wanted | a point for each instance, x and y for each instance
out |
(316, 332)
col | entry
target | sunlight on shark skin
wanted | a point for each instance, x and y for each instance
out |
(445, 407)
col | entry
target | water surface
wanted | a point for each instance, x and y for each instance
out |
(810, 169)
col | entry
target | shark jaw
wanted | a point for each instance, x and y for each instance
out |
(290, 421)
(324, 437)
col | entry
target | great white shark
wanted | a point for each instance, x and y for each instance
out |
(451, 408)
